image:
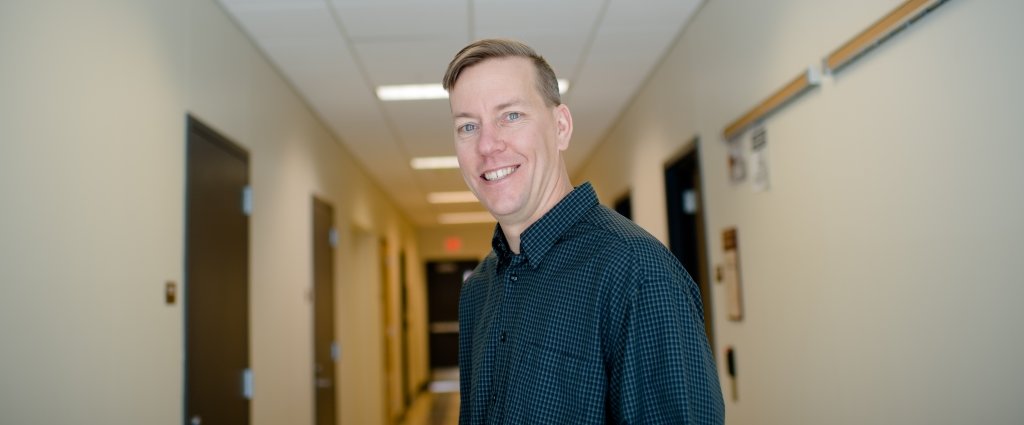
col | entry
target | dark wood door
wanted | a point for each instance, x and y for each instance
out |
(217, 379)
(444, 281)
(325, 348)
(683, 197)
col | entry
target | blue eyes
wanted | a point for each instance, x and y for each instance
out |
(470, 127)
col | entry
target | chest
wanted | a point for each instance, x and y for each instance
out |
(556, 309)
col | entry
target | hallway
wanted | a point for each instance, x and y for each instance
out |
(870, 274)
(439, 403)
(434, 409)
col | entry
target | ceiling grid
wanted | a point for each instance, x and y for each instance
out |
(336, 52)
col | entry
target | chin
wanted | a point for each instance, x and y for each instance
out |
(499, 208)
(503, 203)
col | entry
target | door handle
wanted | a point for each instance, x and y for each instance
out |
(247, 383)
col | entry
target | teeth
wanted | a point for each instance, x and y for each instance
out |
(498, 174)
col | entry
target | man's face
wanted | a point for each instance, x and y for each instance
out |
(507, 139)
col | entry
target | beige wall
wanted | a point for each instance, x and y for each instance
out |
(415, 280)
(879, 270)
(92, 129)
(362, 349)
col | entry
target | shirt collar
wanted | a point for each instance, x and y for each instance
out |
(537, 239)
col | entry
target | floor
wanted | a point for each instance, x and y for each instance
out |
(439, 405)
(434, 409)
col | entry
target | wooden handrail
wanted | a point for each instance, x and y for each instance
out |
(889, 24)
(786, 93)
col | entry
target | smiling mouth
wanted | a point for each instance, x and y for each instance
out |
(499, 174)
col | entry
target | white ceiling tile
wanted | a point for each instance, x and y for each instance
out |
(441, 180)
(304, 20)
(326, 55)
(385, 165)
(537, 16)
(408, 61)
(674, 14)
(433, 145)
(459, 208)
(403, 19)
(430, 146)
(629, 48)
(271, 4)
(425, 127)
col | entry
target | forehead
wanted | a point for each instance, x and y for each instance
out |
(494, 76)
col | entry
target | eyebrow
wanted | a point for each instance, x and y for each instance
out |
(513, 102)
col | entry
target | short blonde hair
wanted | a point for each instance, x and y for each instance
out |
(479, 51)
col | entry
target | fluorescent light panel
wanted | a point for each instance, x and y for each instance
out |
(429, 91)
(451, 197)
(411, 92)
(434, 162)
(466, 218)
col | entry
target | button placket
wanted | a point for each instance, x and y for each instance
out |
(509, 298)
(497, 358)
(505, 312)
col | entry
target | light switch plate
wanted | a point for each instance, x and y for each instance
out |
(170, 292)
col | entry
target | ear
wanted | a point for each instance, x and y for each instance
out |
(563, 126)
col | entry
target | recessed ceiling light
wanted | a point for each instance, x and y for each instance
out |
(429, 91)
(466, 218)
(434, 162)
(411, 92)
(451, 197)
(563, 85)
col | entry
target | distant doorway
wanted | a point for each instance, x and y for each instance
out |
(393, 405)
(403, 309)
(325, 346)
(683, 199)
(217, 376)
(444, 282)
(624, 205)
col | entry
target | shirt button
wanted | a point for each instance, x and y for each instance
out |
(503, 337)
(515, 278)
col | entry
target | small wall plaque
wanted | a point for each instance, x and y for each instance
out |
(170, 292)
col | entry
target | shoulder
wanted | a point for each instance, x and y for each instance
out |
(637, 249)
(642, 266)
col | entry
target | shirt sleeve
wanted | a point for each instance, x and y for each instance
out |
(661, 369)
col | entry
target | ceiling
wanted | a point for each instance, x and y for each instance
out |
(335, 53)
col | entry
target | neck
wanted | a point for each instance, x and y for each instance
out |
(514, 229)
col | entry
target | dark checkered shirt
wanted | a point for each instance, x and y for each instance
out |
(594, 322)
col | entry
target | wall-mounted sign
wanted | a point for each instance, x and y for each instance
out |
(731, 274)
(759, 159)
(737, 161)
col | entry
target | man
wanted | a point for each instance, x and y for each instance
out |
(577, 315)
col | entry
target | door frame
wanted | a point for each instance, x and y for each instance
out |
(703, 276)
(194, 126)
(332, 233)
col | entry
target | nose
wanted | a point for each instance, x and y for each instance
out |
(491, 140)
